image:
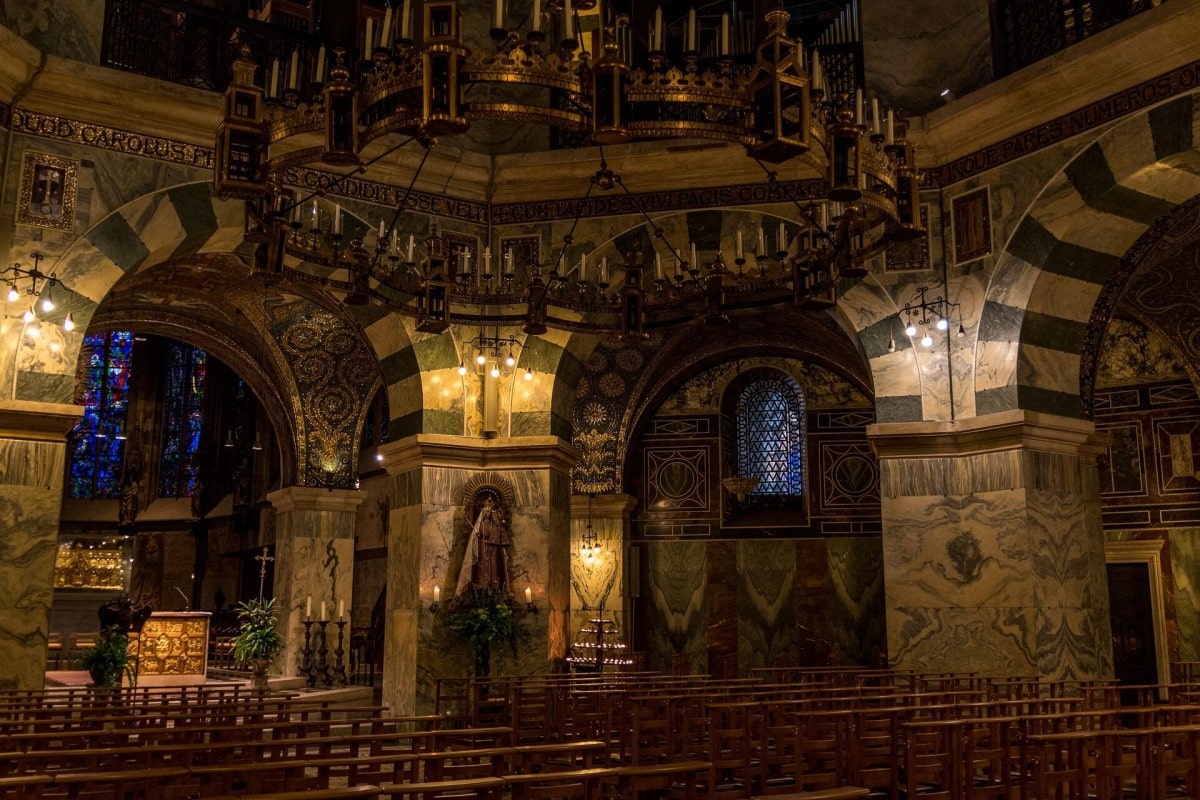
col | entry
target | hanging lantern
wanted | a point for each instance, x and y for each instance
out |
(433, 311)
(535, 317)
(908, 194)
(633, 314)
(341, 116)
(781, 104)
(609, 103)
(845, 158)
(241, 142)
(441, 60)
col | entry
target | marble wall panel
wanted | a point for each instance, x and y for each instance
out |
(1074, 643)
(65, 28)
(767, 632)
(1185, 569)
(857, 605)
(676, 602)
(1067, 557)
(990, 641)
(722, 597)
(320, 568)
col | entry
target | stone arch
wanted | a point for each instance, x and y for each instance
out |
(1041, 297)
(172, 252)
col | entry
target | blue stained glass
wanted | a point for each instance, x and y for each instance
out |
(182, 420)
(96, 452)
(770, 437)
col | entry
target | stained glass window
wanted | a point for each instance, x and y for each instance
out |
(97, 442)
(182, 420)
(770, 437)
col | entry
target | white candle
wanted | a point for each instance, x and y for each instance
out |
(858, 107)
(762, 241)
(385, 33)
(437, 594)
(370, 38)
(740, 252)
(583, 267)
(405, 21)
(411, 238)
(294, 70)
(487, 259)
(724, 34)
(782, 241)
(658, 29)
(568, 21)
(274, 79)
(818, 76)
(536, 23)
(528, 595)
(308, 608)
(695, 263)
(341, 609)
(319, 77)
(324, 615)
(337, 218)
(382, 232)
(604, 270)
(658, 266)
(508, 260)
(395, 241)
(891, 127)
(315, 216)
(875, 129)
(498, 14)
(691, 29)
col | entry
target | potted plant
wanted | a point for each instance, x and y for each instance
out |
(258, 641)
(485, 617)
(109, 660)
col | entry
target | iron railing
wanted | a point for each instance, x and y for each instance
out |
(1026, 31)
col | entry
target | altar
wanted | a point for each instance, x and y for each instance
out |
(172, 649)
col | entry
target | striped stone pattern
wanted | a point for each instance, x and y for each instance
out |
(1047, 281)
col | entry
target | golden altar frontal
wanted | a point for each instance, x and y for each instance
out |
(172, 649)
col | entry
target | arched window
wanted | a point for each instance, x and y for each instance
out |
(183, 415)
(770, 436)
(98, 441)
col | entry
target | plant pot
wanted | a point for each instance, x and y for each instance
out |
(260, 674)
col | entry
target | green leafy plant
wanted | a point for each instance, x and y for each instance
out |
(258, 638)
(485, 618)
(109, 660)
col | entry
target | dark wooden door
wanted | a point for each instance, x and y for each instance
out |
(1134, 657)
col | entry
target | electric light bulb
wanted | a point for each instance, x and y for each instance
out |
(495, 371)
(961, 330)
(528, 374)
(910, 329)
(927, 340)
(480, 359)
(28, 316)
(47, 304)
(462, 368)
(379, 457)
(68, 323)
(509, 361)
(943, 324)
(13, 295)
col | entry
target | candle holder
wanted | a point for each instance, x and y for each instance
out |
(339, 655)
(321, 673)
(307, 667)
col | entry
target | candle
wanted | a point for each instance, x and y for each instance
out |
(385, 33)
(274, 79)
(818, 76)
(725, 34)
(691, 30)
(508, 261)
(762, 241)
(405, 21)
(341, 610)
(858, 107)
(319, 77)
(308, 608)
(294, 70)
(315, 217)
(604, 270)
(875, 129)
(324, 615)
(528, 595)
(395, 241)
(498, 14)
(658, 266)
(782, 239)
(695, 263)
(568, 21)
(337, 219)
(536, 24)
(740, 252)
(891, 127)
(437, 594)
(370, 38)
(583, 267)
(658, 46)
(410, 248)
(382, 232)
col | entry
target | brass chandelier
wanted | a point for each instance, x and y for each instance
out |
(412, 89)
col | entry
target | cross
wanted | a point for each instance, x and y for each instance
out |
(264, 559)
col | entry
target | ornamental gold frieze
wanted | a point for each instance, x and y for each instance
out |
(676, 129)
(386, 195)
(171, 646)
(562, 119)
(116, 140)
(659, 202)
(676, 86)
(530, 69)
(85, 568)
(304, 118)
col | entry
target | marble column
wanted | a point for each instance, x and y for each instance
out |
(992, 546)
(432, 478)
(314, 558)
(32, 464)
(601, 579)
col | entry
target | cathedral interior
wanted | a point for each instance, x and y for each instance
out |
(832, 333)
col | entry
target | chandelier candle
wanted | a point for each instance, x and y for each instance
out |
(658, 42)
(385, 33)
(294, 71)
(370, 37)
(319, 76)
(536, 23)
(691, 30)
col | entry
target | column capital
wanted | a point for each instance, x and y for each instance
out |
(313, 498)
(603, 505)
(1007, 430)
(33, 420)
(465, 452)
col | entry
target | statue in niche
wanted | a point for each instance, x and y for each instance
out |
(486, 563)
(130, 504)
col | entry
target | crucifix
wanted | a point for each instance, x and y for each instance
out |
(264, 559)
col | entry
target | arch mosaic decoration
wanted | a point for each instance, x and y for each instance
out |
(1038, 305)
